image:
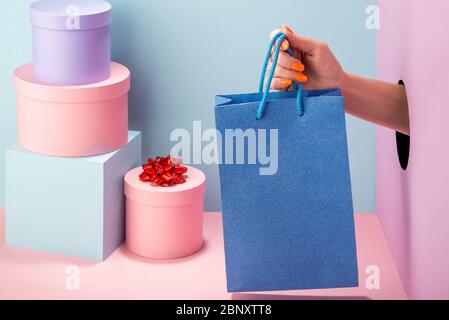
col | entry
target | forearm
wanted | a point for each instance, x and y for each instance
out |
(376, 101)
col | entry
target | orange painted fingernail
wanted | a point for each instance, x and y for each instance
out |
(285, 45)
(298, 66)
(301, 77)
(286, 83)
(286, 29)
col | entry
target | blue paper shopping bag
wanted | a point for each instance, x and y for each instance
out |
(286, 190)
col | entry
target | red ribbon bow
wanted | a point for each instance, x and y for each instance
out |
(163, 171)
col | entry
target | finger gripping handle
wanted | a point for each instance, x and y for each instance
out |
(275, 41)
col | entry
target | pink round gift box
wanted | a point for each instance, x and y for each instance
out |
(72, 121)
(164, 222)
(71, 41)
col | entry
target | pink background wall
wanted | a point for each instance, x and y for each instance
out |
(413, 45)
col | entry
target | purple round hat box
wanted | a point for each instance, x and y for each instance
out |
(71, 41)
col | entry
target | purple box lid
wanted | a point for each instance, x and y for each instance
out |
(71, 14)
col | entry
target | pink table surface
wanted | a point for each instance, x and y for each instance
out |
(26, 274)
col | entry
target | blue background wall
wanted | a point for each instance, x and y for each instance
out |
(183, 53)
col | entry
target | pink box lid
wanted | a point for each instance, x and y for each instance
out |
(147, 194)
(117, 85)
(58, 14)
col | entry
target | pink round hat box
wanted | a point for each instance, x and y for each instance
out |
(164, 222)
(71, 41)
(72, 121)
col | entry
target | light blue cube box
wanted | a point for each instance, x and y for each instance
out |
(70, 206)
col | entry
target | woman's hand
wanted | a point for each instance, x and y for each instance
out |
(313, 63)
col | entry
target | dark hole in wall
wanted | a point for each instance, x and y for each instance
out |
(403, 145)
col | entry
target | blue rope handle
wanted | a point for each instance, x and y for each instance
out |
(281, 37)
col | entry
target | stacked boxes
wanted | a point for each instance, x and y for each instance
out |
(64, 179)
